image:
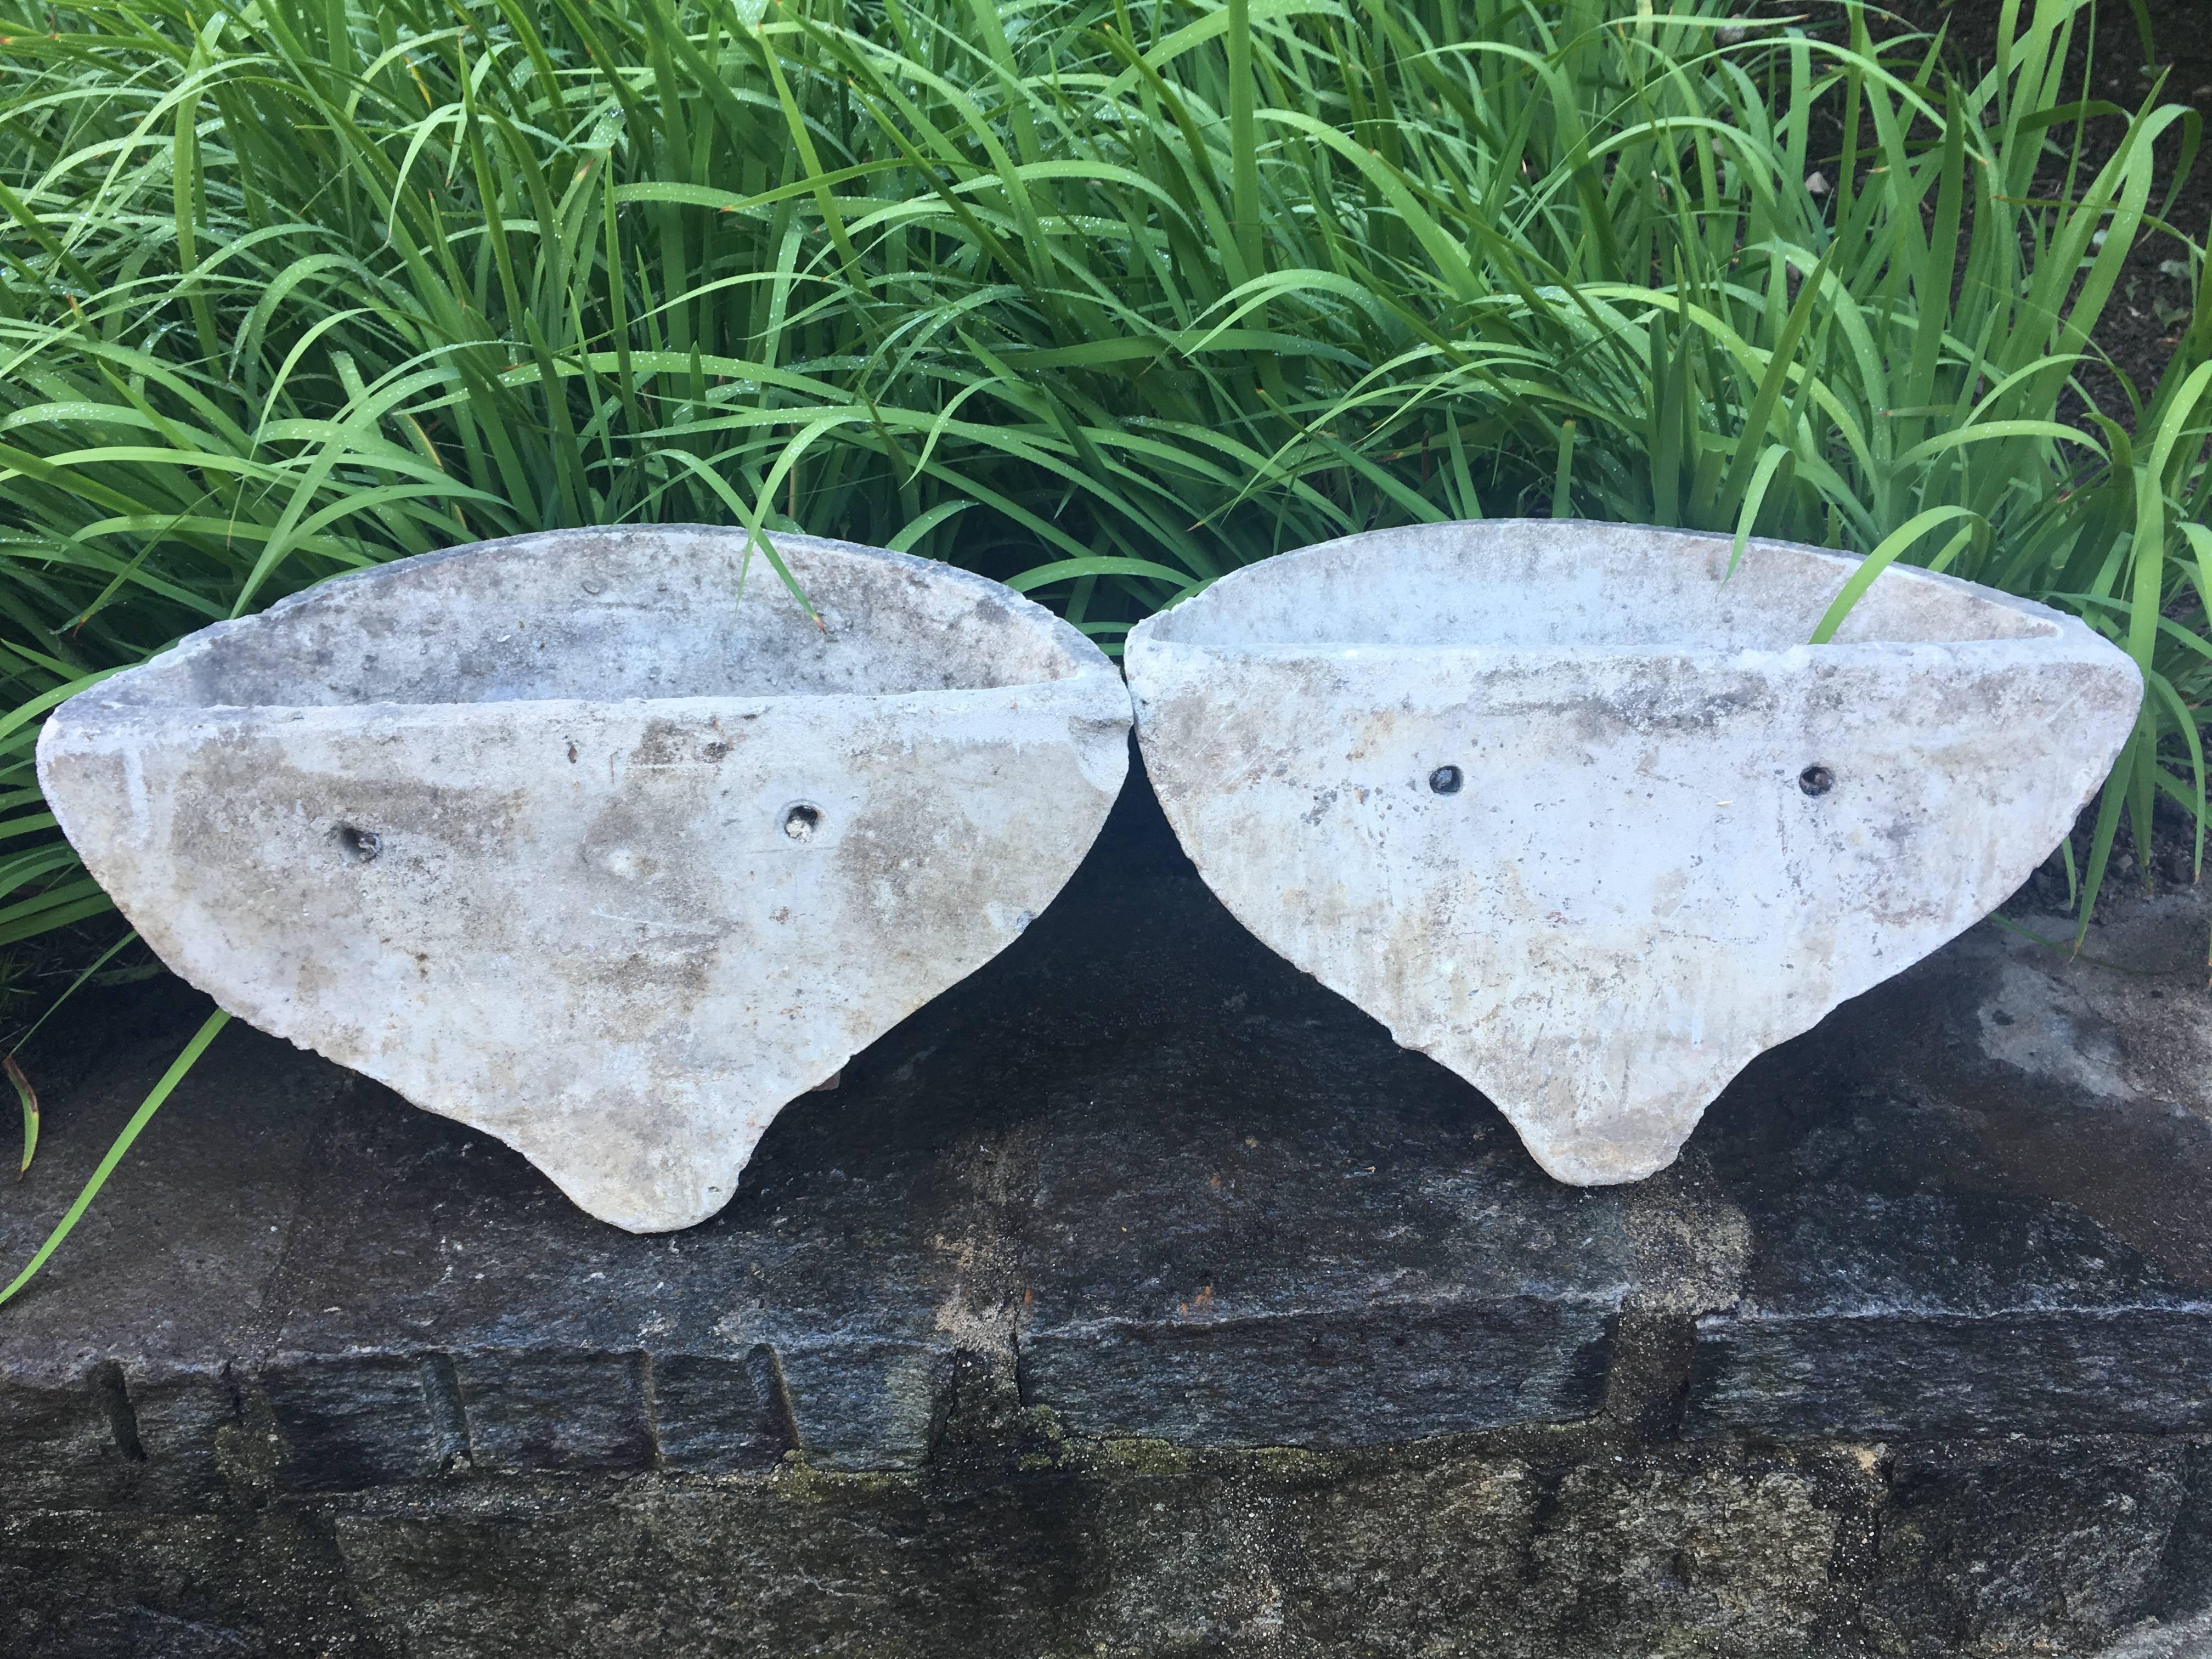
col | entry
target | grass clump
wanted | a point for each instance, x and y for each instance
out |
(1100, 298)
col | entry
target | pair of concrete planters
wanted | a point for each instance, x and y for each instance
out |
(555, 836)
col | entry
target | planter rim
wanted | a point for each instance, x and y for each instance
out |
(146, 687)
(1072, 687)
(1184, 623)
(2043, 647)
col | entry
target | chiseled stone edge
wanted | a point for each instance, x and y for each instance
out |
(2118, 1370)
(1340, 1377)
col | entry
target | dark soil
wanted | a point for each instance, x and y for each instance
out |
(2142, 325)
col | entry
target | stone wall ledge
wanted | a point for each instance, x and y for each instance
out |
(2033, 1370)
(1141, 1278)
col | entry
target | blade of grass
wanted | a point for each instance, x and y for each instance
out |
(160, 1093)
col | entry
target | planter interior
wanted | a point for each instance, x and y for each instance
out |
(594, 839)
(1575, 812)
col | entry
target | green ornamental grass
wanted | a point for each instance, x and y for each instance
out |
(1100, 298)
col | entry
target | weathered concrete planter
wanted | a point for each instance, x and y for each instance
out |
(1592, 826)
(557, 837)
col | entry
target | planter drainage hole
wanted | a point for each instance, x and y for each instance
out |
(1816, 780)
(1446, 780)
(800, 822)
(359, 845)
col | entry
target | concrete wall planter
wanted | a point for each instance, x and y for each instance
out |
(1590, 825)
(555, 836)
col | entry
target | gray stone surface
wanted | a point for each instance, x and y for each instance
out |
(2190, 1638)
(1971, 1235)
(1575, 809)
(324, 1375)
(725, 843)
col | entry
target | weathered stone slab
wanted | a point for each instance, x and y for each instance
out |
(1575, 809)
(103, 1442)
(553, 1343)
(1318, 1245)
(1979, 1201)
(581, 838)
(720, 1416)
(2014, 1548)
(360, 1420)
(2020, 1519)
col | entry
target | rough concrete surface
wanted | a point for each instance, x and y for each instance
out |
(1141, 1296)
(565, 837)
(1578, 813)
